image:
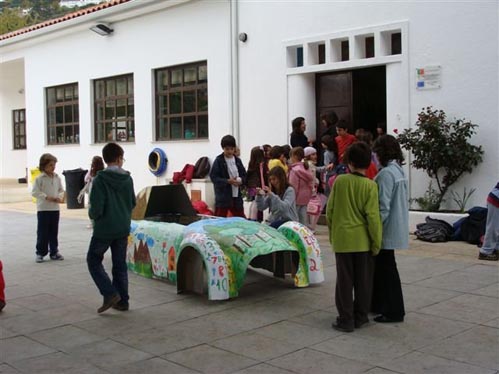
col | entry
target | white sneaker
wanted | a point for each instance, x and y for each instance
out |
(39, 258)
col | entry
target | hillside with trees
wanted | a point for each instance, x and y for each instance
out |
(16, 14)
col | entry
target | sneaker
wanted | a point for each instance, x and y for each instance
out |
(121, 306)
(2, 305)
(494, 256)
(39, 258)
(109, 302)
(57, 257)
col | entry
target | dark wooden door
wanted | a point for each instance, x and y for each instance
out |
(357, 96)
(334, 93)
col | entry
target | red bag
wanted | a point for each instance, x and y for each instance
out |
(186, 174)
(188, 171)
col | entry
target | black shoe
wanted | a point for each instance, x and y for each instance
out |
(57, 257)
(341, 327)
(2, 305)
(494, 256)
(109, 302)
(359, 324)
(384, 319)
(121, 306)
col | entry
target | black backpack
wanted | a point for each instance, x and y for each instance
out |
(473, 226)
(434, 230)
(202, 168)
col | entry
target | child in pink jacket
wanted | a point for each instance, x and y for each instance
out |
(302, 180)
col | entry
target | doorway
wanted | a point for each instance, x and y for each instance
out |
(357, 96)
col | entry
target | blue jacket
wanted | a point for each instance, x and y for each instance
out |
(393, 206)
(219, 175)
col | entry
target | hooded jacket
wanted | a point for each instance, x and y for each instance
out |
(302, 181)
(111, 202)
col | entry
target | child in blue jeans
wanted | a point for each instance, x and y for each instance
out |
(111, 202)
(490, 247)
(49, 193)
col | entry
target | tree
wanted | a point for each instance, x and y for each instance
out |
(12, 19)
(42, 10)
(441, 148)
(16, 14)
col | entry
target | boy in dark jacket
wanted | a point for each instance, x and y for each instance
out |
(227, 175)
(111, 202)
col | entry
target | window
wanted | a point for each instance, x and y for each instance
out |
(63, 125)
(114, 109)
(182, 102)
(19, 128)
(396, 39)
(369, 44)
(345, 50)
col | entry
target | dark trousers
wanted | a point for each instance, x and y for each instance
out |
(46, 232)
(387, 298)
(354, 273)
(95, 256)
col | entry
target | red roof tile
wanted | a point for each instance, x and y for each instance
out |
(66, 17)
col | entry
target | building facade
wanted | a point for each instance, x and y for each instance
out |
(178, 75)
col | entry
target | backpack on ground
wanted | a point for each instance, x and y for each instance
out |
(473, 226)
(434, 230)
(202, 168)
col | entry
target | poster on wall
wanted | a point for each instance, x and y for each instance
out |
(429, 77)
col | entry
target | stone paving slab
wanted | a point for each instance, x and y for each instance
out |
(50, 324)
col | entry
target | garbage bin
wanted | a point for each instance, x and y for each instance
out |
(75, 181)
(34, 172)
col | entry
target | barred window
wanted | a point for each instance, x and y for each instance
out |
(114, 109)
(19, 128)
(63, 124)
(182, 102)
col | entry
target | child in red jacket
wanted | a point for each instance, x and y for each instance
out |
(2, 288)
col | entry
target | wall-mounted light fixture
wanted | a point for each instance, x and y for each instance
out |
(102, 29)
(243, 37)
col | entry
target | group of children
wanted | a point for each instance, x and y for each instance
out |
(310, 182)
(365, 218)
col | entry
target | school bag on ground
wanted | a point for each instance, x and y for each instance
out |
(434, 230)
(473, 226)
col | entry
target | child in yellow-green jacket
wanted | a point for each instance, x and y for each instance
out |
(354, 224)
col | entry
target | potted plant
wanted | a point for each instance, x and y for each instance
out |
(442, 149)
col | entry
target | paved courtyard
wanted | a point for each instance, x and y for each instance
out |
(50, 324)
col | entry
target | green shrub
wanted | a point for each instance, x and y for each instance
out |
(441, 148)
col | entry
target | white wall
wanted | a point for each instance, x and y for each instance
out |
(462, 37)
(193, 32)
(13, 161)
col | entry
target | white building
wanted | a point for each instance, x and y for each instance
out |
(297, 58)
(79, 3)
